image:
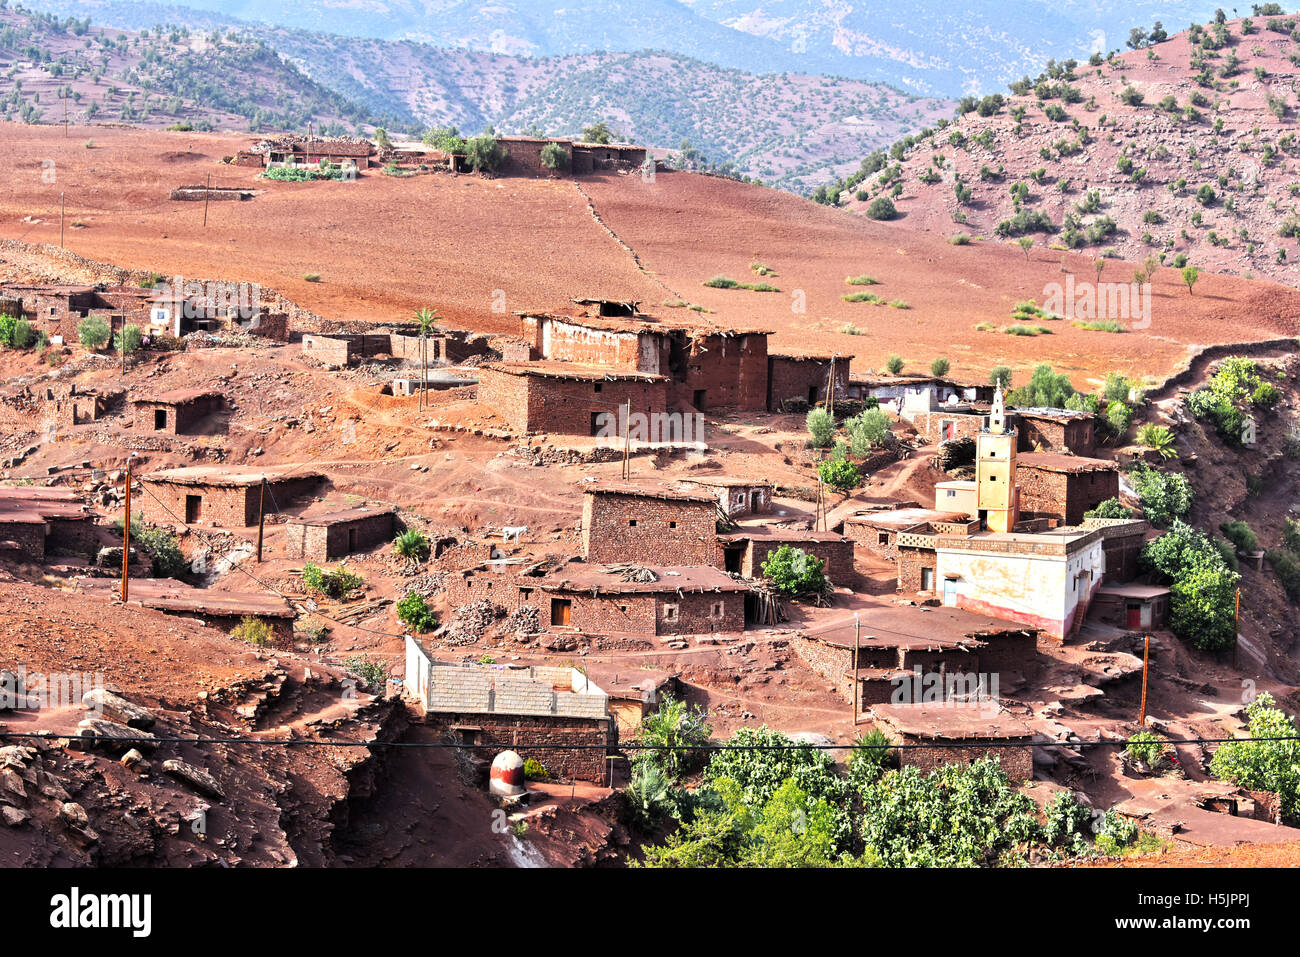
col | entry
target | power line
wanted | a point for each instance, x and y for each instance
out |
(435, 745)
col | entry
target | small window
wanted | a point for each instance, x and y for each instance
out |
(670, 612)
(717, 610)
(882, 538)
(597, 386)
(631, 523)
(672, 524)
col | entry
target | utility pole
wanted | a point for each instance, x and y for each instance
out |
(830, 391)
(1236, 628)
(1146, 661)
(126, 529)
(627, 443)
(261, 516)
(206, 193)
(857, 649)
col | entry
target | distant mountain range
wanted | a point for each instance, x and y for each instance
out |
(933, 47)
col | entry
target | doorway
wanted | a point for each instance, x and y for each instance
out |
(698, 399)
(950, 591)
(561, 611)
(193, 508)
(159, 419)
(1133, 613)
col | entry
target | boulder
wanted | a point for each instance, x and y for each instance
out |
(198, 779)
(118, 708)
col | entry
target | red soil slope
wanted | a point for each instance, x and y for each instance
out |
(384, 246)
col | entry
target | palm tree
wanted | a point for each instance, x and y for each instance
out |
(427, 319)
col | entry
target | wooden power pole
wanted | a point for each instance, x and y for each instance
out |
(261, 516)
(1146, 662)
(126, 533)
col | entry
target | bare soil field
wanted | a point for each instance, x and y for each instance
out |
(479, 249)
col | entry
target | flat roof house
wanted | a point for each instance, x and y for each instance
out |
(1064, 487)
(544, 713)
(216, 609)
(805, 378)
(221, 497)
(177, 412)
(568, 398)
(943, 734)
(656, 600)
(35, 520)
(329, 532)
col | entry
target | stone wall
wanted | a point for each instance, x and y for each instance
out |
(1065, 496)
(548, 740)
(649, 531)
(792, 378)
(322, 543)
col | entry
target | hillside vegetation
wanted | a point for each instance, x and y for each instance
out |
(51, 68)
(1184, 149)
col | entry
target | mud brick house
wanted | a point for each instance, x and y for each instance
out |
(56, 309)
(36, 521)
(1132, 605)
(220, 497)
(737, 497)
(568, 398)
(326, 533)
(339, 350)
(543, 713)
(648, 524)
(677, 600)
(806, 377)
(878, 531)
(310, 152)
(1056, 430)
(958, 735)
(1063, 487)
(594, 157)
(896, 643)
(744, 551)
(943, 425)
(706, 367)
(216, 609)
(895, 388)
(178, 412)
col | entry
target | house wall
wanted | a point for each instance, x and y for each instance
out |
(1035, 590)
(1052, 435)
(666, 532)
(563, 341)
(221, 506)
(964, 499)
(1113, 610)
(327, 542)
(911, 561)
(1064, 495)
(28, 539)
(181, 417)
(730, 370)
(563, 406)
(1017, 763)
(547, 739)
(789, 378)
(837, 556)
(938, 426)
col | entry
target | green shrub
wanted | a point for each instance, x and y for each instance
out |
(1159, 438)
(840, 475)
(1286, 565)
(1240, 534)
(416, 614)
(373, 673)
(794, 572)
(413, 544)
(867, 430)
(254, 631)
(1203, 589)
(939, 367)
(871, 757)
(821, 426)
(1291, 535)
(1265, 765)
(1266, 395)
(534, 770)
(672, 737)
(1118, 416)
(483, 154)
(554, 157)
(1164, 496)
(93, 332)
(894, 364)
(862, 281)
(1145, 747)
(1000, 376)
(160, 545)
(1111, 508)
(882, 207)
(336, 583)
